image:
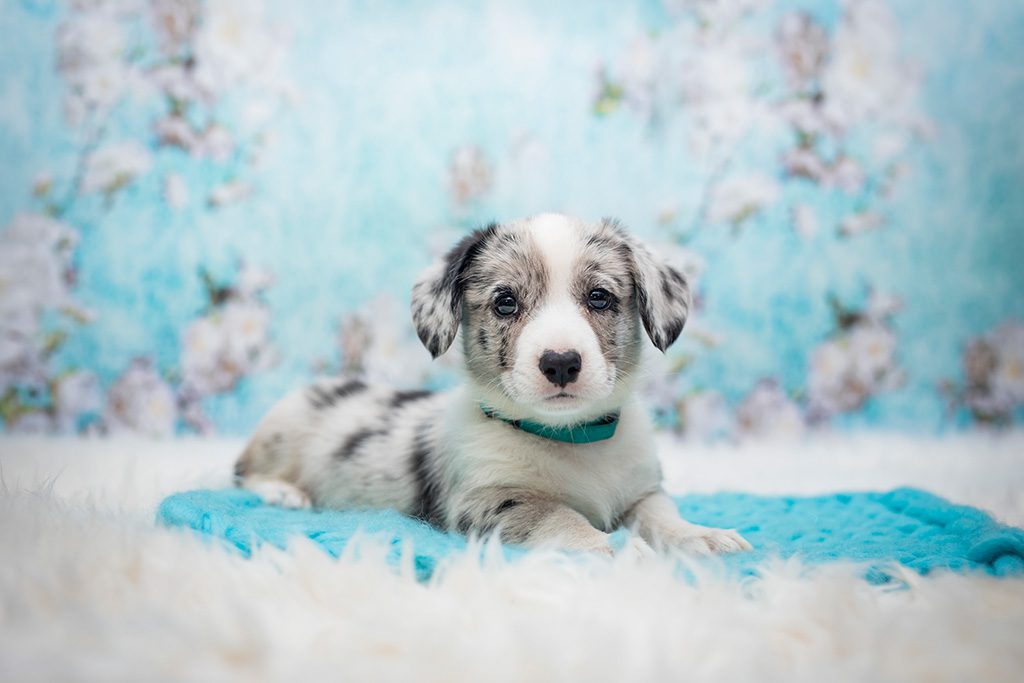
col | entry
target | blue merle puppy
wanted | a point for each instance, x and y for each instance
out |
(544, 443)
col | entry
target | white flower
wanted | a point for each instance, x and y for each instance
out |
(234, 45)
(871, 349)
(881, 306)
(805, 116)
(175, 131)
(96, 87)
(859, 223)
(77, 393)
(768, 412)
(35, 422)
(216, 143)
(803, 44)
(381, 345)
(35, 259)
(87, 40)
(705, 416)
(827, 389)
(174, 22)
(804, 162)
(805, 221)
(737, 198)
(639, 74)
(90, 51)
(715, 14)
(201, 353)
(113, 8)
(470, 174)
(30, 235)
(193, 415)
(175, 191)
(245, 326)
(229, 193)
(35, 271)
(114, 166)
(175, 81)
(846, 174)
(717, 90)
(221, 348)
(865, 77)
(252, 280)
(141, 401)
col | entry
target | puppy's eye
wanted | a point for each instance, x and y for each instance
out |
(506, 305)
(599, 299)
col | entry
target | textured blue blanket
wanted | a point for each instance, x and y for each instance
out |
(915, 528)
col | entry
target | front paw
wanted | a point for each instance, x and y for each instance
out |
(280, 493)
(703, 540)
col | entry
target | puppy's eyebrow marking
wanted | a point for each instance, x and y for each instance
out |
(324, 397)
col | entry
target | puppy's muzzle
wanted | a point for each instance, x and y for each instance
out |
(561, 368)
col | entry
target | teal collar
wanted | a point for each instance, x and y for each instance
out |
(588, 432)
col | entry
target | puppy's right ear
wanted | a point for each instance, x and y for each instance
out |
(437, 295)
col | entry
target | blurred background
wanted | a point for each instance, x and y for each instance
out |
(206, 204)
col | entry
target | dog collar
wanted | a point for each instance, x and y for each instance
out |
(588, 432)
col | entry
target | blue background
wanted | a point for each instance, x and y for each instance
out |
(352, 195)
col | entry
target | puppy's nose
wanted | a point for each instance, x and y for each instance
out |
(561, 368)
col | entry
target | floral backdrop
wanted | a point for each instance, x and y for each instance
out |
(205, 204)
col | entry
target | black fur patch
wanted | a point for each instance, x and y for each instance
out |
(402, 397)
(321, 397)
(428, 506)
(503, 352)
(355, 440)
(505, 505)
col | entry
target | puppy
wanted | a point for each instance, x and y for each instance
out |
(545, 442)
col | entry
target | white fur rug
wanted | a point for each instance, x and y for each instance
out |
(90, 589)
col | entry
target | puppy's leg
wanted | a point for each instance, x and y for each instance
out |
(527, 519)
(271, 462)
(657, 520)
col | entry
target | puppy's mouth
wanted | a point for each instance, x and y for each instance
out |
(561, 396)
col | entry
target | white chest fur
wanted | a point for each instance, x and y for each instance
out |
(600, 480)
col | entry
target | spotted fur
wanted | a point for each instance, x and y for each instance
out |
(438, 456)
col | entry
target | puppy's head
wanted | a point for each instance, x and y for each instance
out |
(551, 310)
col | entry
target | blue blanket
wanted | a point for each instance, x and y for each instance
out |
(912, 527)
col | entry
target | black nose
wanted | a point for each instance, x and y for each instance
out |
(560, 368)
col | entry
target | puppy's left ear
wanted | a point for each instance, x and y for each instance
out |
(662, 292)
(437, 294)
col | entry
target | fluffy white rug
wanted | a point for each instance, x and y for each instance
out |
(90, 589)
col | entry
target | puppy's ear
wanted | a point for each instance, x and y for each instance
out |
(662, 292)
(437, 294)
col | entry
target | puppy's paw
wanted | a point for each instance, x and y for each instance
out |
(702, 540)
(279, 493)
